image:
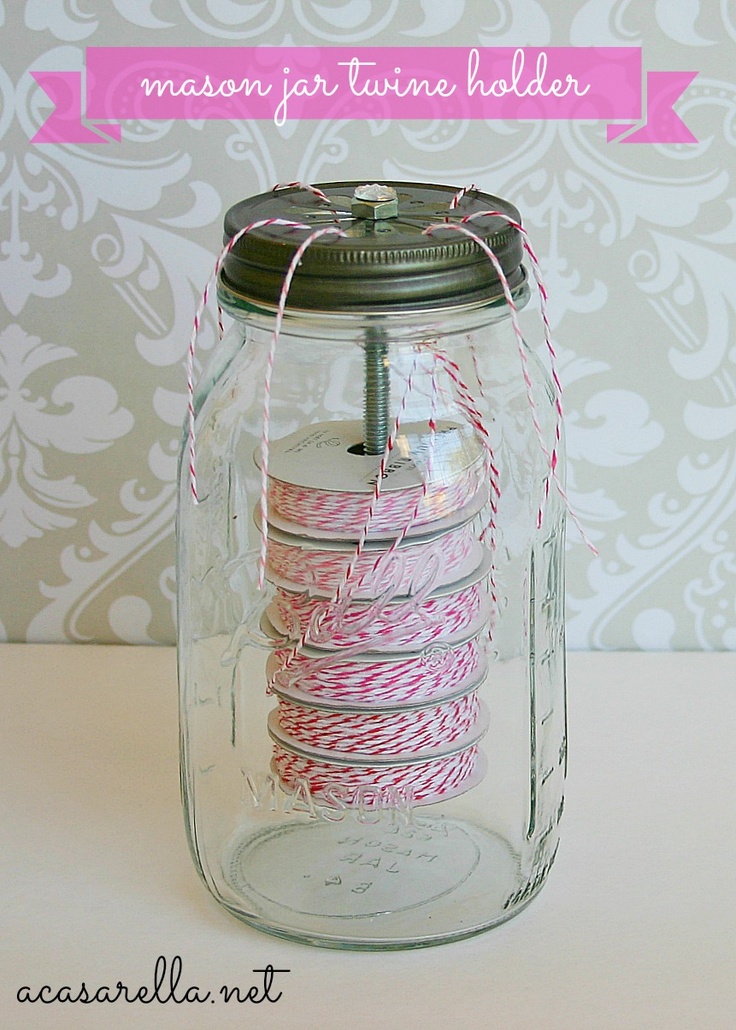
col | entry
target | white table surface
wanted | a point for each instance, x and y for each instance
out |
(636, 927)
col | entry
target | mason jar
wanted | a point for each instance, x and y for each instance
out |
(370, 573)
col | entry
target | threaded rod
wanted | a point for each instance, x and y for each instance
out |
(377, 390)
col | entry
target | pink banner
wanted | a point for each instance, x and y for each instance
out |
(283, 84)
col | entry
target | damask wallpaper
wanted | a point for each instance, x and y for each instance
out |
(105, 249)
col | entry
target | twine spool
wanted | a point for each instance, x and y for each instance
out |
(424, 782)
(403, 625)
(374, 680)
(343, 513)
(380, 733)
(321, 483)
(295, 563)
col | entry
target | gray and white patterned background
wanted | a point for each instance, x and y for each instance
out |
(105, 249)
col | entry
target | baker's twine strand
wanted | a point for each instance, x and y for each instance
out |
(314, 190)
(495, 475)
(280, 309)
(490, 530)
(302, 186)
(422, 499)
(335, 676)
(196, 328)
(543, 297)
(387, 733)
(424, 780)
(455, 202)
(550, 456)
(513, 310)
(344, 586)
(466, 402)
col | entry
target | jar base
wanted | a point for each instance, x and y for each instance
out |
(382, 886)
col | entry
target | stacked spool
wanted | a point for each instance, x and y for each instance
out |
(377, 690)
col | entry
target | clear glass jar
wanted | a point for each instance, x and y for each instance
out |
(373, 741)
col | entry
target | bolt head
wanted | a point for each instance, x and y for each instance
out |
(374, 201)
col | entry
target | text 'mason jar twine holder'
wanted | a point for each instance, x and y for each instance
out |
(370, 568)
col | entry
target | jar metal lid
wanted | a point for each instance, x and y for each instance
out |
(381, 264)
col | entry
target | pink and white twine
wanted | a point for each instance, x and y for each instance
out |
(376, 680)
